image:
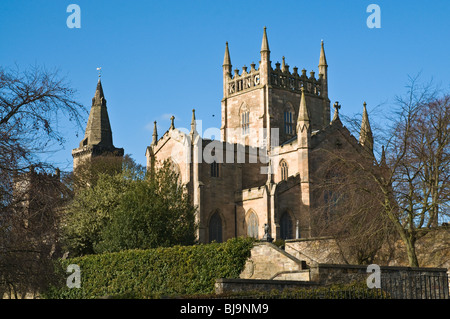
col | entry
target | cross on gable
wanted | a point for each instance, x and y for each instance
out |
(336, 106)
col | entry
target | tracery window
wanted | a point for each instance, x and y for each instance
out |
(245, 122)
(288, 123)
(252, 225)
(284, 170)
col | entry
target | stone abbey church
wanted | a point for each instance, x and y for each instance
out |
(256, 180)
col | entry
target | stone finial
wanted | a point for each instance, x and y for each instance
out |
(172, 125)
(277, 66)
(155, 134)
(193, 124)
(304, 73)
(322, 59)
(336, 106)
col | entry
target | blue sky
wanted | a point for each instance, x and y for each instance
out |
(163, 58)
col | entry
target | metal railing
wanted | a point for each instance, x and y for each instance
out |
(393, 286)
(415, 286)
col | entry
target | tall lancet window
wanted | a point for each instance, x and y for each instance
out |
(284, 170)
(288, 123)
(245, 122)
(286, 226)
(215, 228)
(215, 169)
(252, 225)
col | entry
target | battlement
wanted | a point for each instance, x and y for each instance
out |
(280, 77)
(246, 80)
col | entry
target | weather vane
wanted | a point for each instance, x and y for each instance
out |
(99, 69)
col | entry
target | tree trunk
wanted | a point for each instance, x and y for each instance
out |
(410, 243)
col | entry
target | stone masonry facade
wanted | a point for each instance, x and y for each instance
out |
(258, 175)
(256, 180)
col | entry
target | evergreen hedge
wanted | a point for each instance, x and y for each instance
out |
(152, 273)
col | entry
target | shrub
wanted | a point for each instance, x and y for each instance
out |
(152, 273)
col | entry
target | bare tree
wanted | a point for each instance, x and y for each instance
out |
(32, 105)
(409, 184)
(31, 232)
(347, 204)
(418, 164)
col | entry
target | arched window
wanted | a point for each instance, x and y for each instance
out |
(284, 170)
(286, 226)
(174, 166)
(176, 169)
(288, 123)
(289, 119)
(252, 225)
(215, 169)
(215, 228)
(245, 122)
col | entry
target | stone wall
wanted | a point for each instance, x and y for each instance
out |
(303, 264)
(267, 261)
(315, 250)
(398, 282)
(223, 285)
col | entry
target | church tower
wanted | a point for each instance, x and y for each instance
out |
(97, 139)
(257, 100)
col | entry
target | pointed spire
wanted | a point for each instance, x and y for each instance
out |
(323, 75)
(265, 42)
(383, 157)
(99, 97)
(193, 124)
(264, 63)
(323, 59)
(365, 136)
(155, 134)
(303, 110)
(98, 128)
(226, 69)
(226, 58)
